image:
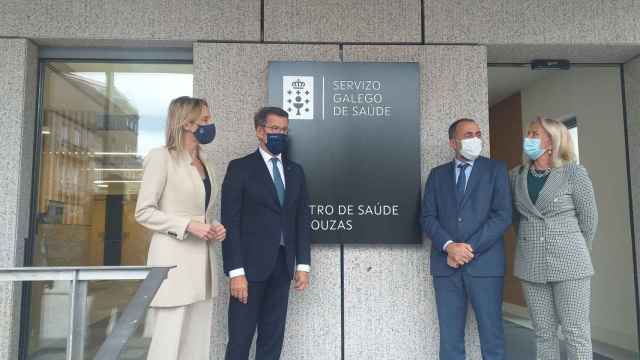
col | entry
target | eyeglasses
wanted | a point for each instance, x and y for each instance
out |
(277, 129)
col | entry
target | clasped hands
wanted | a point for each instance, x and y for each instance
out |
(459, 254)
(207, 232)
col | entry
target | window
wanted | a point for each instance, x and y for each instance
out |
(98, 122)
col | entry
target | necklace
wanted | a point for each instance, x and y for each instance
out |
(539, 174)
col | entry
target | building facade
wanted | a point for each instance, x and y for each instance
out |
(366, 301)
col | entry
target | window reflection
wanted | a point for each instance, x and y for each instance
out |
(99, 120)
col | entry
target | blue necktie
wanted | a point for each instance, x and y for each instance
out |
(461, 184)
(277, 180)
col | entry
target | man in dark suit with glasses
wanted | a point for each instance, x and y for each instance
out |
(265, 209)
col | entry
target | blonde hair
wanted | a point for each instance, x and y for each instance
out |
(182, 111)
(562, 151)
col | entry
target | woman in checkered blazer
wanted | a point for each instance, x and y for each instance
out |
(556, 219)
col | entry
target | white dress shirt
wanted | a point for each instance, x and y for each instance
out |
(267, 160)
(467, 172)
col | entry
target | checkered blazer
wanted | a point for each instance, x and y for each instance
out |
(554, 234)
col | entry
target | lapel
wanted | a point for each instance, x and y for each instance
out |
(212, 180)
(524, 190)
(474, 179)
(289, 181)
(548, 192)
(450, 181)
(265, 177)
(192, 173)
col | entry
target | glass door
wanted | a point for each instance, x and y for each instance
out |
(588, 100)
(98, 122)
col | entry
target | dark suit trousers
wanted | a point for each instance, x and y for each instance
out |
(266, 310)
(453, 294)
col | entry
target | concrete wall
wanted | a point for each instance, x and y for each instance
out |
(632, 94)
(532, 22)
(571, 22)
(233, 77)
(391, 285)
(594, 95)
(344, 21)
(18, 74)
(382, 284)
(131, 20)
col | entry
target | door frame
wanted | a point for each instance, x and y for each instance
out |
(625, 118)
(72, 55)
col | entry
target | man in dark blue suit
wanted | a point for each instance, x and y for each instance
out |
(466, 210)
(265, 209)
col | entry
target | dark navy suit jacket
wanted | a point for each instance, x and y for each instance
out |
(255, 220)
(480, 220)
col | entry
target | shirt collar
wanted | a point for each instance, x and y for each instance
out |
(267, 157)
(470, 163)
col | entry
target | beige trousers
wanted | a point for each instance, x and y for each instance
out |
(182, 332)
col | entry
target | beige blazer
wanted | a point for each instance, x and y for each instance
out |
(171, 195)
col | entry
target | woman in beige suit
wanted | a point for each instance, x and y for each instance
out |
(556, 218)
(176, 191)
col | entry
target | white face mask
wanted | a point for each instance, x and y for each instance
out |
(471, 148)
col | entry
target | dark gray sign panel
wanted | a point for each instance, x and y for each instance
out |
(355, 128)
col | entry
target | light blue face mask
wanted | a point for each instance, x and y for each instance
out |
(532, 148)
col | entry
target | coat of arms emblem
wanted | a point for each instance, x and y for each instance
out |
(297, 96)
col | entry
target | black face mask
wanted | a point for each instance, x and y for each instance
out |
(277, 143)
(205, 133)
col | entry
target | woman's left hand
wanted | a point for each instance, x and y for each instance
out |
(220, 232)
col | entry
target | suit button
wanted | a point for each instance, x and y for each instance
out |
(459, 219)
(542, 238)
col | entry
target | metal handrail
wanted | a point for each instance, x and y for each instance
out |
(80, 276)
